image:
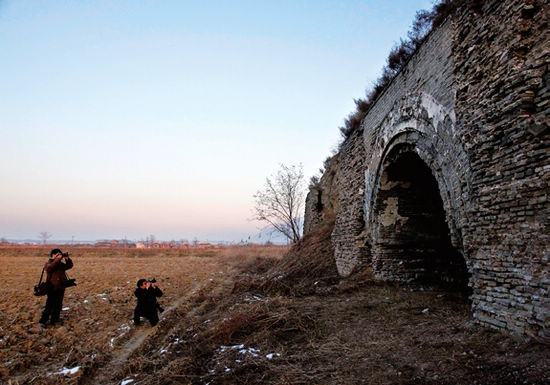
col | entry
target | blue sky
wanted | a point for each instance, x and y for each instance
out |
(129, 118)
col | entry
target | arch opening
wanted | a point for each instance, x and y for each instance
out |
(411, 240)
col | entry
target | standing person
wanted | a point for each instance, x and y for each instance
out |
(55, 268)
(147, 306)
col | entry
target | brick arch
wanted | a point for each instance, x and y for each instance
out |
(425, 128)
(418, 142)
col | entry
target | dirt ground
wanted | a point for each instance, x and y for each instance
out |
(246, 316)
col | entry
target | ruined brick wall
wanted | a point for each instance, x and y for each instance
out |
(322, 201)
(502, 104)
(348, 237)
(416, 108)
(448, 177)
(415, 112)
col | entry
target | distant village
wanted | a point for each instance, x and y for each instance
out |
(127, 244)
(155, 244)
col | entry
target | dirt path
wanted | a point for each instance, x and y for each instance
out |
(104, 374)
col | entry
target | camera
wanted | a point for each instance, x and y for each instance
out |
(65, 255)
(152, 280)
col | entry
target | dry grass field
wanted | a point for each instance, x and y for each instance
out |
(247, 315)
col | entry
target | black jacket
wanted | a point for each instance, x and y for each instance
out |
(147, 299)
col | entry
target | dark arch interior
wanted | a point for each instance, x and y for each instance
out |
(413, 242)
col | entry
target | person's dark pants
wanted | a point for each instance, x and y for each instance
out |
(152, 316)
(54, 303)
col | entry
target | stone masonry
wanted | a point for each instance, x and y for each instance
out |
(447, 180)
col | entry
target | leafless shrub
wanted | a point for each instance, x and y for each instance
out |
(279, 203)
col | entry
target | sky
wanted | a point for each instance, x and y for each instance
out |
(124, 119)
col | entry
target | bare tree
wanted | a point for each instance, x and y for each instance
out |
(150, 240)
(280, 203)
(44, 235)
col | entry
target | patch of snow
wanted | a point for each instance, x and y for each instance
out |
(66, 308)
(253, 352)
(425, 310)
(66, 371)
(163, 350)
(271, 355)
(227, 370)
(223, 348)
(242, 350)
(85, 301)
(207, 321)
(124, 328)
(126, 382)
(255, 298)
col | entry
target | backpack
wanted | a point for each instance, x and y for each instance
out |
(42, 288)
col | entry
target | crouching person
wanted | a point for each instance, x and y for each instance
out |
(147, 306)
